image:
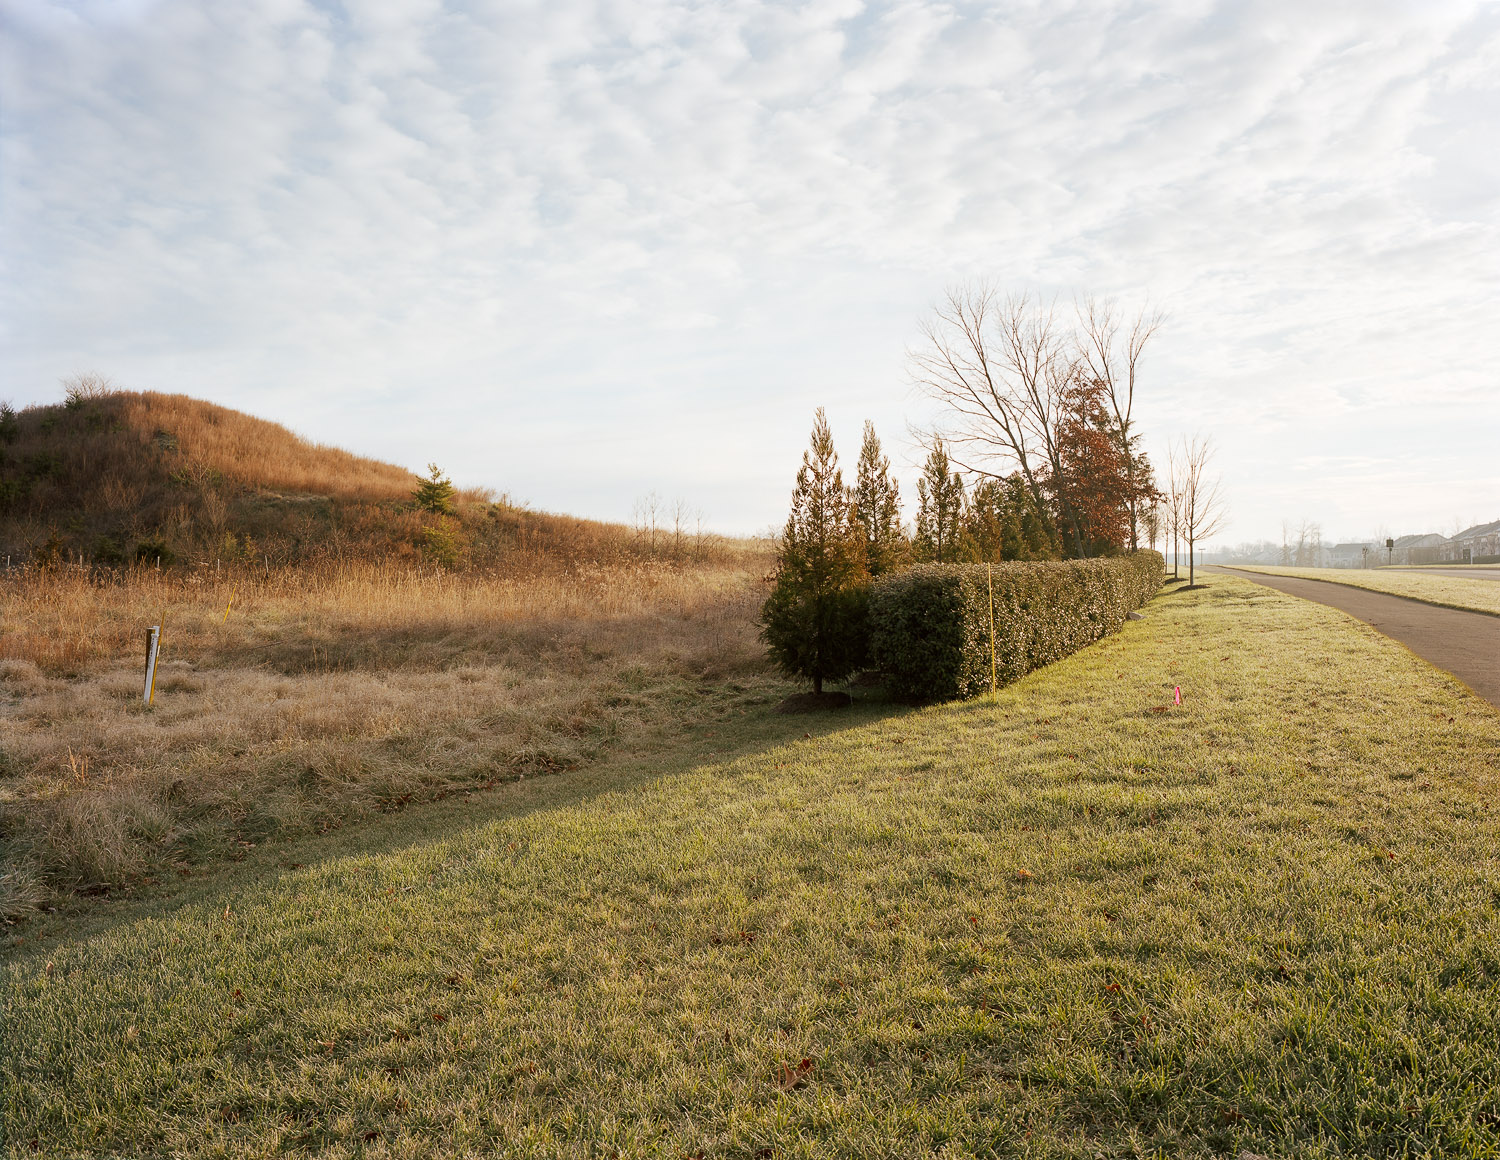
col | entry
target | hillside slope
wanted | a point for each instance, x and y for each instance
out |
(112, 477)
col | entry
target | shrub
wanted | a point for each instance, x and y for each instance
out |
(930, 625)
(108, 552)
(155, 552)
(443, 545)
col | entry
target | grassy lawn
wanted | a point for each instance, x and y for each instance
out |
(1083, 921)
(1430, 588)
(1452, 565)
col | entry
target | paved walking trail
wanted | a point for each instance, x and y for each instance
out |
(1467, 644)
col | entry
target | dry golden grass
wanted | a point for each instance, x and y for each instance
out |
(119, 473)
(328, 692)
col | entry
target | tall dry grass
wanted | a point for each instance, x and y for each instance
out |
(327, 692)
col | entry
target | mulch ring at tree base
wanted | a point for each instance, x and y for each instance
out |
(813, 702)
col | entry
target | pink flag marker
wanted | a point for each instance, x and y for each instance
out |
(1177, 689)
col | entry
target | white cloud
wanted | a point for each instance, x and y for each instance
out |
(657, 234)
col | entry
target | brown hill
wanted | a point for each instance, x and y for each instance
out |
(115, 477)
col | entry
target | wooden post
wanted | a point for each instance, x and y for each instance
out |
(153, 644)
(989, 576)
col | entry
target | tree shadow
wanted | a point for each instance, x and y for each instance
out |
(457, 813)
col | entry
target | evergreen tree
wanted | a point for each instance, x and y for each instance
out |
(940, 509)
(814, 620)
(877, 507)
(435, 493)
(1003, 522)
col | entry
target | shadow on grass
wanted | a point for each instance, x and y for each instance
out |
(426, 822)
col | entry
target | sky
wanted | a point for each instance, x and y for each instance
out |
(580, 252)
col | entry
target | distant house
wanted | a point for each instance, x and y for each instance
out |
(1476, 544)
(1423, 549)
(1356, 555)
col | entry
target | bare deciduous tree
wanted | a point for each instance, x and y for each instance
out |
(646, 517)
(1113, 360)
(1172, 506)
(86, 388)
(1202, 503)
(1001, 365)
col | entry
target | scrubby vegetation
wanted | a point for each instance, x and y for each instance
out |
(944, 631)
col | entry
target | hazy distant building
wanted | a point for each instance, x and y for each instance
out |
(1479, 544)
(1423, 549)
(1356, 554)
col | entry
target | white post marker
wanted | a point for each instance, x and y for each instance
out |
(153, 642)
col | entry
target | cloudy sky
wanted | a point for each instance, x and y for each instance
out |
(580, 250)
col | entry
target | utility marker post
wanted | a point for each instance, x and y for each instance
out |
(153, 643)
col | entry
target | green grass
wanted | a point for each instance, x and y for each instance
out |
(1450, 564)
(1429, 588)
(1080, 921)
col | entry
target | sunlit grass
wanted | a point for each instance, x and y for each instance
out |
(1428, 587)
(308, 697)
(1082, 920)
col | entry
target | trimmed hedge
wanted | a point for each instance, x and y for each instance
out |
(930, 625)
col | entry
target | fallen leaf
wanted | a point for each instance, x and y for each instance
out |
(791, 1076)
(1023, 875)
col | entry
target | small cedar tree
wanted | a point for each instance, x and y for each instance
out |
(940, 509)
(814, 620)
(877, 507)
(1003, 522)
(435, 493)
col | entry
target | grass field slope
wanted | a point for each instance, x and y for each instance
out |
(1079, 920)
(1428, 587)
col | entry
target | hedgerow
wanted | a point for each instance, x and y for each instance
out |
(930, 625)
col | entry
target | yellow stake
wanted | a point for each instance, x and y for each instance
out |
(227, 607)
(989, 576)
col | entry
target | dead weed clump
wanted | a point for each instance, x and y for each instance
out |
(321, 696)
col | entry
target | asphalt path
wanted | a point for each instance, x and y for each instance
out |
(1466, 644)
